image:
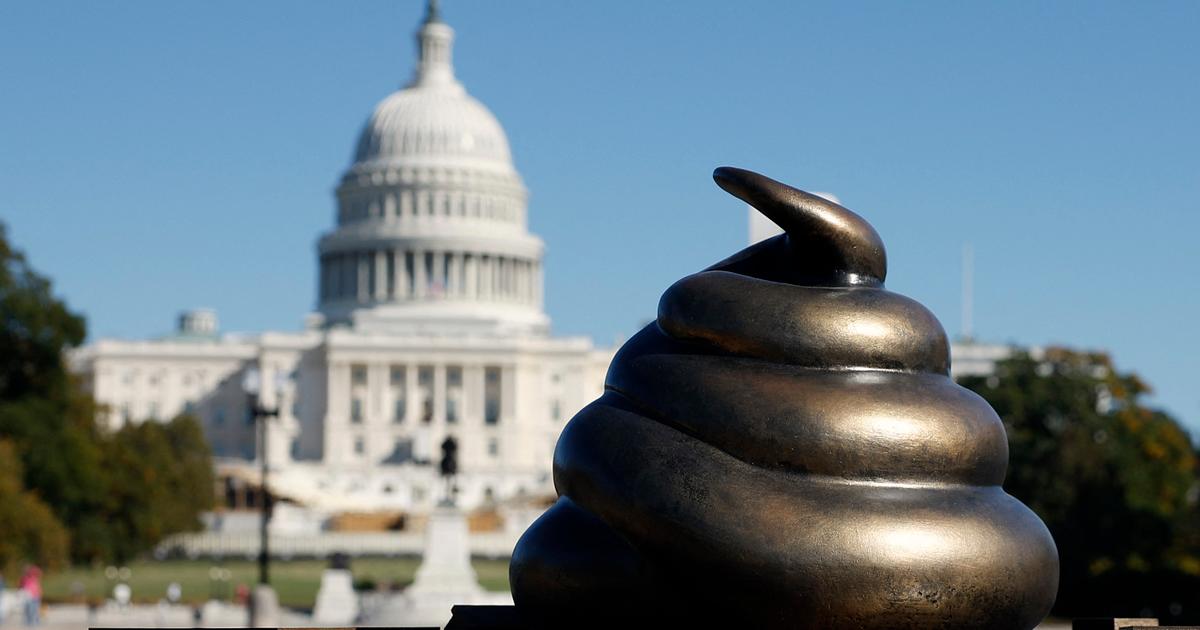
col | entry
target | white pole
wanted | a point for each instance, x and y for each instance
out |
(968, 291)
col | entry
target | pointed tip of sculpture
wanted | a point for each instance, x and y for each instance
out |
(819, 229)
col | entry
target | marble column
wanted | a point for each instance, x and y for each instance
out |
(380, 275)
(420, 280)
(361, 286)
(406, 204)
(338, 441)
(454, 282)
(411, 407)
(539, 284)
(439, 394)
(439, 273)
(397, 288)
(522, 281)
(485, 267)
(471, 277)
(472, 411)
(389, 206)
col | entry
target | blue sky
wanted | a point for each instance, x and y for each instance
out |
(156, 156)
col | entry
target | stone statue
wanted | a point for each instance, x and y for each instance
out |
(784, 448)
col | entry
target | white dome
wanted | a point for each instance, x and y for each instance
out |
(419, 122)
(432, 234)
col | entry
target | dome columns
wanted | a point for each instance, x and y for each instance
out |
(410, 274)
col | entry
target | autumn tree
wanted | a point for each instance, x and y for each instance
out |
(29, 532)
(1114, 480)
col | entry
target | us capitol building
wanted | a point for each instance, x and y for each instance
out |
(430, 324)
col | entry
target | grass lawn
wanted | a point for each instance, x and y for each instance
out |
(295, 581)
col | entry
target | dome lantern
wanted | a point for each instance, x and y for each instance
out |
(435, 41)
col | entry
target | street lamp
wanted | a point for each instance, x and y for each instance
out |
(252, 385)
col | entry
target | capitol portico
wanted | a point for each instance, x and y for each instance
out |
(429, 323)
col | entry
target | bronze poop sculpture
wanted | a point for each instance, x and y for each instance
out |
(784, 448)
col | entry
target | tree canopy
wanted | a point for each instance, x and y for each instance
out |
(110, 494)
(28, 528)
(1114, 480)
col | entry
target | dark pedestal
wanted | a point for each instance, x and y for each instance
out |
(485, 618)
(507, 618)
(1111, 623)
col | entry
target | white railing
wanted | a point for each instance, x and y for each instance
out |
(245, 544)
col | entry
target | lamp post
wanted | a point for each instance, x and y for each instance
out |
(252, 384)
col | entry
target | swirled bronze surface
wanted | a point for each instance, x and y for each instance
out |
(783, 448)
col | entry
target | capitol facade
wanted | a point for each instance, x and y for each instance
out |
(429, 324)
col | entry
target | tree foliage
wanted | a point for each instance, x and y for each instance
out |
(161, 479)
(114, 493)
(29, 529)
(1114, 481)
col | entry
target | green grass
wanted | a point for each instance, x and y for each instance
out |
(295, 581)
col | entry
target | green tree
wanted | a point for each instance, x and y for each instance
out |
(1114, 481)
(162, 479)
(42, 413)
(29, 532)
(116, 494)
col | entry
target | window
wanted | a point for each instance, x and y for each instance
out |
(491, 395)
(356, 409)
(218, 416)
(453, 393)
(493, 447)
(359, 446)
(555, 410)
(358, 375)
(399, 384)
(402, 452)
(425, 391)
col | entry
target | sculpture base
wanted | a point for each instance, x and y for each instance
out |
(486, 618)
(507, 618)
(1110, 623)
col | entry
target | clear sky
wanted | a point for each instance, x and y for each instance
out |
(156, 156)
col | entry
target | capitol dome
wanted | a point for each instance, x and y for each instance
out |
(432, 233)
(418, 122)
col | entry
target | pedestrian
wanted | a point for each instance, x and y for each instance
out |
(3, 600)
(31, 588)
